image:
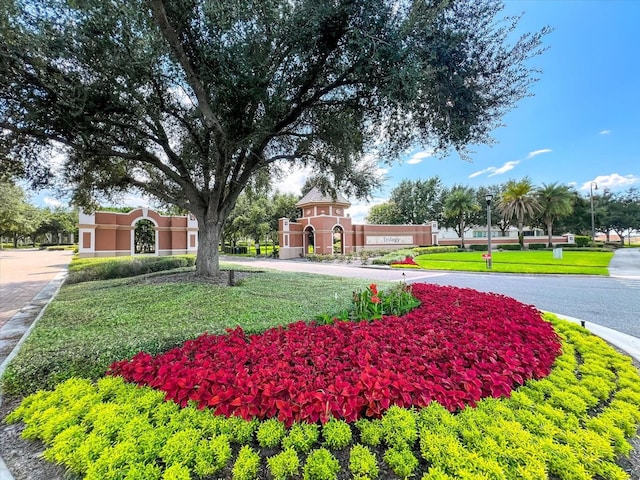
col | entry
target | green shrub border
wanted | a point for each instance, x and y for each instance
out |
(85, 270)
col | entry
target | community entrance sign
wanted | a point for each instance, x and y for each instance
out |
(324, 228)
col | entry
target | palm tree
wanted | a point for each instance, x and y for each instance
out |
(518, 200)
(459, 205)
(556, 201)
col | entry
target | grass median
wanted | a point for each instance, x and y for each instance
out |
(89, 325)
(538, 261)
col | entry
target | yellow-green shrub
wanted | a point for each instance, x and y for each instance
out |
(302, 437)
(270, 433)
(284, 465)
(401, 460)
(321, 465)
(362, 463)
(568, 426)
(399, 427)
(247, 464)
(336, 434)
(370, 431)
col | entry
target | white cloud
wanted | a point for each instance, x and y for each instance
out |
(504, 168)
(293, 182)
(480, 172)
(613, 181)
(181, 96)
(419, 157)
(508, 166)
(535, 153)
(360, 209)
(369, 157)
(605, 132)
(135, 201)
(52, 202)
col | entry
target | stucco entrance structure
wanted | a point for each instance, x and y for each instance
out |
(111, 234)
(324, 228)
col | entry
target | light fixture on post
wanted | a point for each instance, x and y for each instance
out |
(593, 222)
(488, 197)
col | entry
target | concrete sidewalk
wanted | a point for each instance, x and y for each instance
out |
(625, 263)
(29, 280)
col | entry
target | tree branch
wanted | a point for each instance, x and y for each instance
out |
(160, 15)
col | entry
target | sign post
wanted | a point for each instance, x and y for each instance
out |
(488, 197)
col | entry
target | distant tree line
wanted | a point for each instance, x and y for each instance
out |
(555, 208)
(23, 223)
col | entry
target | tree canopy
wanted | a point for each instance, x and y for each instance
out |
(190, 101)
(518, 200)
(555, 201)
(20, 220)
(459, 206)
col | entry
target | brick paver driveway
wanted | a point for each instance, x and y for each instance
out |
(23, 273)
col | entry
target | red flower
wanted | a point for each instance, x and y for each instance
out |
(375, 299)
(458, 346)
(373, 288)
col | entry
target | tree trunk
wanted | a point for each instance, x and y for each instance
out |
(208, 257)
(521, 235)
(550, 233)
(461, 233)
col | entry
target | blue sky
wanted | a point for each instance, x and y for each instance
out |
(583, 122)
(581, 125)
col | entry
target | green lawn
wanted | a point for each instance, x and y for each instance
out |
(536, 261)
(92, 324)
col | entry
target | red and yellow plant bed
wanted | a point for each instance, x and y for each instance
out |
(407, 262)
(458, 346)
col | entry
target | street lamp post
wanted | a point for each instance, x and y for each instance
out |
(593, 221)
(488, 197)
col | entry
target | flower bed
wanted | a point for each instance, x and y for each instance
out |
(408, 262)
(457, 347)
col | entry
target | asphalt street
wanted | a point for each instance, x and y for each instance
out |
(612, 301)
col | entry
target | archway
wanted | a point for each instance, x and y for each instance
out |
(144, 237)
(309, 240)
(338, 240)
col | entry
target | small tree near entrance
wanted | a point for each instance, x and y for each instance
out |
(145, 237)
(338, 240)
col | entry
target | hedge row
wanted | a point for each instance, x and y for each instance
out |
(89, 269)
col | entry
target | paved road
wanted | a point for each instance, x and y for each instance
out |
(613, 301)
(23, 273)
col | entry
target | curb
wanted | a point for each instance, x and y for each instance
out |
(629, 344)
(5, 474)
(41, 301)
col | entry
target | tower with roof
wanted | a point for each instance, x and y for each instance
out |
(322, 228)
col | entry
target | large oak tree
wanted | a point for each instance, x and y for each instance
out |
(191, 100)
